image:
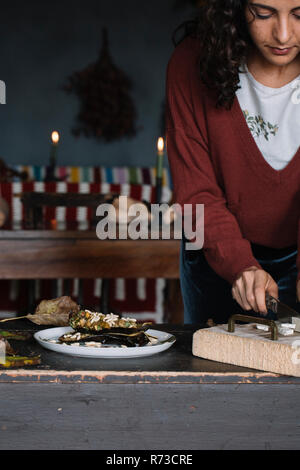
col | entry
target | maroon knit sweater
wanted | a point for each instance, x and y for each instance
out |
(214, 160)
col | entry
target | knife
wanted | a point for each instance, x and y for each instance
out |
(282, 310)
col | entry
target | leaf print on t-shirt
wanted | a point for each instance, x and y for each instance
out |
(258, 126)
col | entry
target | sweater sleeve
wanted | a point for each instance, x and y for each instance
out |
(298, 257)
(195, 182)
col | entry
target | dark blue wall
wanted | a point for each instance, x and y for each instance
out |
(43, 42)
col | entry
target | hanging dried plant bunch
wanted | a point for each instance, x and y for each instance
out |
(107, 111)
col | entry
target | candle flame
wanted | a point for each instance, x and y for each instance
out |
(55, 137)
(160, 144)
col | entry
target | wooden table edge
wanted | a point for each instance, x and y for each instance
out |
(147, 377)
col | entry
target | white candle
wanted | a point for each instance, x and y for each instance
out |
(55, 140)
(160, 157)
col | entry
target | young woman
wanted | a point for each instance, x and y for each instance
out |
(233, 137)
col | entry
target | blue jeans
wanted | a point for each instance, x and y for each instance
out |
(207, 295)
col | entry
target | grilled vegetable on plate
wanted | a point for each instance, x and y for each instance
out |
(106, 329)
(94, 334)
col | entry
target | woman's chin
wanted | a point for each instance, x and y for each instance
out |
(280, 60)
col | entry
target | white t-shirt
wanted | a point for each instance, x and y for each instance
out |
(273, 117)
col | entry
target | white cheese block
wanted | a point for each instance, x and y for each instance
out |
(291, 326)
(263, 327)
(285, 331)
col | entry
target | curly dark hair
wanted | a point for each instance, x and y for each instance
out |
(222, 28)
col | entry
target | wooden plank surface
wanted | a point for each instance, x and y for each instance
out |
(52, 255)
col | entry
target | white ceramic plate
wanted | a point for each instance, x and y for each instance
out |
(49, 340)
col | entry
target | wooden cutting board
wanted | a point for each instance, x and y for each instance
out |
(249, 347)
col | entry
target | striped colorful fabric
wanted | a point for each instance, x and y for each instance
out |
(89, 174)
(11, 193)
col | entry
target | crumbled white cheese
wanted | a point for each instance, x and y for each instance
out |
(262, 327)
(285, 331)
(288, 325)
(96, 317)
(111, 319)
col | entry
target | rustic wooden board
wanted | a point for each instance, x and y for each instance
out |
(52, 255)
(249, 347)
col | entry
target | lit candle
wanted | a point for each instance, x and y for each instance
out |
(55, 140)
(159, 168)
(160, 157)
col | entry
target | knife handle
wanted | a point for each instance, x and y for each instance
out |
(271, 303)
(249, 319)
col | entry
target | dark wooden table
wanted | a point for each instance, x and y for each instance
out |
(53, 254)
(169, 401)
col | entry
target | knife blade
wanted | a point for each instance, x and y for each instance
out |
(282, 310)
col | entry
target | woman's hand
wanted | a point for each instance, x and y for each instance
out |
(250, 288)
(298, 291)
